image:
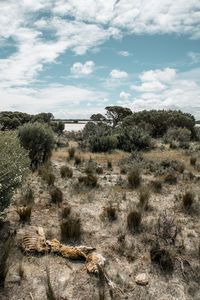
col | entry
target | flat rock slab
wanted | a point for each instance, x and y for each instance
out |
(141, 279)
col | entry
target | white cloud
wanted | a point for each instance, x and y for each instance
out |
(124, 53)
(117, 74)
(165, 75)
(78, 69)
(124, 95)
(195, 56)
(179, 92)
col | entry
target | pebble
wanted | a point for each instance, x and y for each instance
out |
(141, 279)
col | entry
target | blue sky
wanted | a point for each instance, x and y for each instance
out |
(74, 57)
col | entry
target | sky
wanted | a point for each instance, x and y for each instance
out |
(75, 57)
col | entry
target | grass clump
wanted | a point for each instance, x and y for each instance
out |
(193, 160)
(25, 213)
(188, 199)
(99, 170)
(134, 177)
(171, 178)
(71, 152)
(111, 212)
(144, 195)
(77, 159)
(109, 164)
(65, 171)
(156, 185)
(28, 196)
(162, 257)
(56, 195)
(66, 211)
(90, 180)
(134, 220)
(47, 174)
(70, 228)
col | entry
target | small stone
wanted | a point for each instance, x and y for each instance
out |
(141, 279)
(15, 278)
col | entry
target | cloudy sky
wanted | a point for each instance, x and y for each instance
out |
(74, 57)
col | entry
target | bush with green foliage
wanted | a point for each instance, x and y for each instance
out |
(39, 140)
(102, 143)
(161, 120)
(177, 134)
(133, 138)
(14, 166)
(134, 177)
(96, 129)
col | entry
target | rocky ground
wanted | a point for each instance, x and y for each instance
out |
(129, 261)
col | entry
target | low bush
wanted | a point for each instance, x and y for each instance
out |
(193, 160)
(99, 170)
(102, 143)
(144, 195)
(109, 164)
(4, 259)
(66, 171)
(66, 209)
(163, 258)
(77, 159)
(25, 213)
(134, 220)
(134, 177)
(56, 195)
(90, 180)
(47, 174)
(111, 212)
(70, 228)
(171, 178)
(188, 199)
(156, 185)
(71, 152)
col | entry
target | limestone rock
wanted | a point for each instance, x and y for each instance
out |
(141, 279)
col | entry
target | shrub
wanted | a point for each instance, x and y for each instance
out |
(188, 199)
(70, 228)
(144, 195)
(156, 185)
(109, 164)
(99, 170)
(163, 258)
(123, 170)
(166, 229)
(28, 196)
(25, 213)
(65, 171)
(184, 145)
(134, 177)
(111, 212)
(47, 175)
(56, 195)
(177, 134)
(102, 143)
(77, 160)
(90, 180)
(171, 178)
(193, 160)
(39, 140)
(3, 259)
(134, 220)
(66, 211)
(14, 167)
(133, 138)
(71, 152)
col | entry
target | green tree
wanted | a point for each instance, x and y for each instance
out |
(117, 114)
(14, 166)
(97, 118)
(39, 139)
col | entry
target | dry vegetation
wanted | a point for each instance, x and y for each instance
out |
(141, 212)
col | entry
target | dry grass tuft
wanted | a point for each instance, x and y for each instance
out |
(111, 212)
(70, 228)
(65, 211)
(134, 220)
(134, 177)
(65, 171)
(90, 180)
(163, 258)
(77, 159)
(156, 185)
(193, 160)
(188, 199)
(25, 213)
(3, 261)
(144, 195)
(171, 178)
(109, 164)
(47, 174)
(71, 152)
(56, 195)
